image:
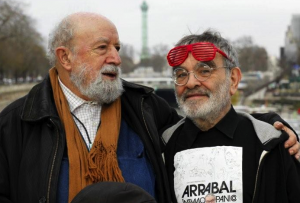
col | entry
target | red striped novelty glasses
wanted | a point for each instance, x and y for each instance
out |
(202, 51)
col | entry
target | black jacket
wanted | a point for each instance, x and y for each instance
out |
(32, 141)
(278, 173)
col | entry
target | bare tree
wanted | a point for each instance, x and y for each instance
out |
(251, 56)
(127, 56)
(22, 53)
(158, 58)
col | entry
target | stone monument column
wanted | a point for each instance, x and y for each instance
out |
(145, 50)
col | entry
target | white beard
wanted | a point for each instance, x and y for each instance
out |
(102, 91)
(209, 110)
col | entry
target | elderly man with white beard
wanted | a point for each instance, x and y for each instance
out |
(215, 149)
(83, 124)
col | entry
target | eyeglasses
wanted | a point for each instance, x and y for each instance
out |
(201, 72)
(202, 51)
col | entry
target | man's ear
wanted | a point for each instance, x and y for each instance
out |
(236, 76)
(63, 55)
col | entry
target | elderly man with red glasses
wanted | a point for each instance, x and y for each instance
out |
(215, 149)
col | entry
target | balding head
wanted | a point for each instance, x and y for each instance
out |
(69, 27)
(84, 49)
(83, 17)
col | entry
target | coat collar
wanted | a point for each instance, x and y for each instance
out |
(39, 103)
(136, 87)
(230, 119)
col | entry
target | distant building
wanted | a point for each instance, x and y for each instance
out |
(295, 27)
(292, 40)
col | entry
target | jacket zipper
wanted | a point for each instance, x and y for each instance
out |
(52, 166)
(264, 153)
(145, 120)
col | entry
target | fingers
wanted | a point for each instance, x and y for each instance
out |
(294, 150)
(278, 125)
(297, 155)
(291, 143)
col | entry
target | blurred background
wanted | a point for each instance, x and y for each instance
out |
(265, 33)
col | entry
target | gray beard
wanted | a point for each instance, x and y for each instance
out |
(102, 91)
(210, 110)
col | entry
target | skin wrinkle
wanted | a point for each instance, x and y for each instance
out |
(96, 44)
(206, 110)
(213, 107)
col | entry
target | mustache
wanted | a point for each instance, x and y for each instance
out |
(109, 68)
(196, 90)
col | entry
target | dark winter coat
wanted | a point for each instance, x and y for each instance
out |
(32, 141)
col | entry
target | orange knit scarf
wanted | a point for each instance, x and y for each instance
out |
(100, 164)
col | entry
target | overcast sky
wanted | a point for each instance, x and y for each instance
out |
(265, 21)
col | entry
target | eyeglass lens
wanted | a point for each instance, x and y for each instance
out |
(201, 73)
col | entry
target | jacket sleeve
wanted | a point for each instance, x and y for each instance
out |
(166, 116)
(271, 118)
(5, 187)
(292, 176)
(4, 183)
(293, 179)
(278, 178)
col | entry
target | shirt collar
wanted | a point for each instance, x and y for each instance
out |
(227, 126)
(229, 123)
(190, 134)
(73, 100)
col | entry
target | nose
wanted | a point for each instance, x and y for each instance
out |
(113, 57)
(192, 81)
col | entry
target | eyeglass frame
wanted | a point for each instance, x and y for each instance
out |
(188, 72)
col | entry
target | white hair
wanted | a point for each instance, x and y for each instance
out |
(61, 35)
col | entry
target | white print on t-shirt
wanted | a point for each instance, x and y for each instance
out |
(206, 170)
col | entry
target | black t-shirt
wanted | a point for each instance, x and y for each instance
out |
(232, 130)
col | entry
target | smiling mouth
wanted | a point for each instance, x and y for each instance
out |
(195, 96)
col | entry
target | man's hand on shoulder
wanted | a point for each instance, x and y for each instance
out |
(292, 144)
